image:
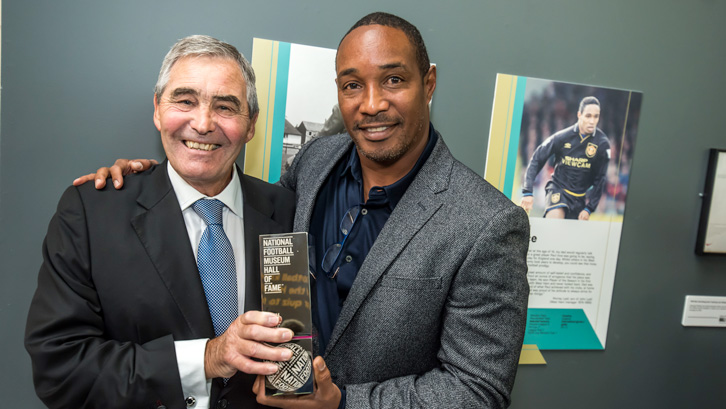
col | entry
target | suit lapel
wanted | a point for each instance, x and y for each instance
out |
(163, 233)
(417, 206)
(258, 212)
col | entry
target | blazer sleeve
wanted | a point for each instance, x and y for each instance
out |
(482, 329)
(75, 365)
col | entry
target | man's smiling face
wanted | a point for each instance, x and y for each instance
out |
(382, 96)
(204, 120)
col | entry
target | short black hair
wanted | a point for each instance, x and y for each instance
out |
(588, 101)
(412, 33)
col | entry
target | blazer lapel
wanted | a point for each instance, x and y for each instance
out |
(163, 233)
(322, 165)
(417, 206)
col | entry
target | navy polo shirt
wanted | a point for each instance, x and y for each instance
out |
(343, 190)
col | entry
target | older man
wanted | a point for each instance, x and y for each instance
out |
(420, 290)
(142, 309)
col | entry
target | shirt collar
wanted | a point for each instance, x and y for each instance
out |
(231, 196)
(576, 130)
(394, 191)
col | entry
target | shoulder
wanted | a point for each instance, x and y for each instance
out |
(100, 211)
(601, 139)
(556, 138)
(325, 145)
(273, 192)
(568, 132)
(315, 156)
(466, 191)
(472, 190)
(155, 178)
(110, 208)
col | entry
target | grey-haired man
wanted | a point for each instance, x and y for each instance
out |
(121, 317)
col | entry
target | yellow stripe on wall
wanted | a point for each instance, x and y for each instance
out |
(257, 151)
(502, 111)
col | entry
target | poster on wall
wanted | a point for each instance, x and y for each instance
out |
(564, 153)
(712, 226)
(298, 102)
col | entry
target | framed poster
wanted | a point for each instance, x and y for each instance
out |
(298, 102)
(564, 152)
(712, 227)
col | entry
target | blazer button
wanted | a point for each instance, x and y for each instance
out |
(222, 404)
(190, 401)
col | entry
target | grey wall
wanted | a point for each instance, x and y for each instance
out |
(77, 80)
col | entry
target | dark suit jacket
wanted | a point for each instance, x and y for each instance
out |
(119, 284)
(436, 315)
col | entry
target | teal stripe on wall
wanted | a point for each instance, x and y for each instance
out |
(514, 137)
(278, 119)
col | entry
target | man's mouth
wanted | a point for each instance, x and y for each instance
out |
(376, 129)
(377, 132)
(201, 146)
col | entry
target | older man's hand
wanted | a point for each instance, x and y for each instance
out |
(120, 168)
(327, 395)
(239, 348)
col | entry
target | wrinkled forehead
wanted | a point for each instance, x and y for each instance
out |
(198, 60)
(207, 70)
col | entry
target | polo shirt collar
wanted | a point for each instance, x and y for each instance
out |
(394, 192)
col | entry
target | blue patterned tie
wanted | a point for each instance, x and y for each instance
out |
(215, 260)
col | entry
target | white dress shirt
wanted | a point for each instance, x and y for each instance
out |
(190, 354)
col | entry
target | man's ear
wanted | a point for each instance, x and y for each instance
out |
(251, 131)
(430, 82)
(157, 120)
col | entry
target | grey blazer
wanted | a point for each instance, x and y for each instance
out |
(436, 315)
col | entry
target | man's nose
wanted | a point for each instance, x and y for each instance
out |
(203, 121)
(374, 101)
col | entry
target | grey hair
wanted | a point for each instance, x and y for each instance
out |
(206, 46)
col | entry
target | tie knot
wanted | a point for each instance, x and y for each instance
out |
(209, 210)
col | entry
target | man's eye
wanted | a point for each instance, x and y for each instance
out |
(226, 109)
(184, 102)
(351, 85)
(395, 80)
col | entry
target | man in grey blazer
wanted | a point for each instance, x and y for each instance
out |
(420, 290)
(436, 311)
